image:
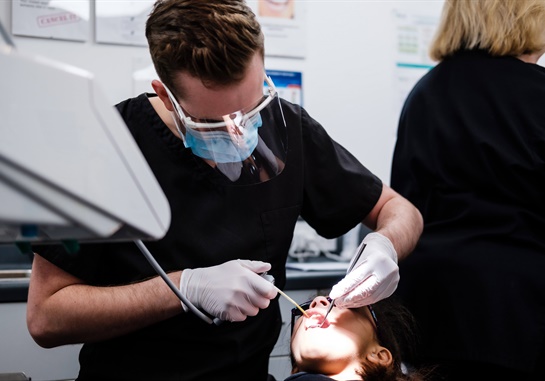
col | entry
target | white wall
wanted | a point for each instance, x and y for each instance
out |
(348, 72)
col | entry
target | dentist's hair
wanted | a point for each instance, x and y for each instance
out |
(213, 40)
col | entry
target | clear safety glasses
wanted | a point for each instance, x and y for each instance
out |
(248, 146)
(237, 118)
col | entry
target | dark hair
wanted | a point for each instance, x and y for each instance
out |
(398, 332)
(212, 40)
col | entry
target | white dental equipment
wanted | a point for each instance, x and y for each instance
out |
(69, 168)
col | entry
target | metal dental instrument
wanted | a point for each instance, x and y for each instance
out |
(358, 255)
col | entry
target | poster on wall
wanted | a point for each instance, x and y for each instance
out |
(63, 20)
(289, 85)
(283, 24)
(414, 32)
(122, 22)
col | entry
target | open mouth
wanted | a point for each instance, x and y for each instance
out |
(315, 320)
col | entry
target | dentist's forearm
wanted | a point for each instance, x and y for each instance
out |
(76, 313)
(398, 220)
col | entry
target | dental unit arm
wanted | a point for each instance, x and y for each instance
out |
(70, 170)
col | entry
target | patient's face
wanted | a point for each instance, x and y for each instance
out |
(344, 339)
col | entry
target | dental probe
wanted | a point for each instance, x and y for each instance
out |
(292, 301)
(270, 278)
(358, 255)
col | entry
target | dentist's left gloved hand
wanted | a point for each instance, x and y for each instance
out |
(230, 291)
(373, 278)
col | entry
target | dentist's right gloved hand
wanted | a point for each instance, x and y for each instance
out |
(230, 291)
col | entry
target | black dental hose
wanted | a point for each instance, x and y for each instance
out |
(169, 283)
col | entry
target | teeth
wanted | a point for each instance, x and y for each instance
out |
(314, 321)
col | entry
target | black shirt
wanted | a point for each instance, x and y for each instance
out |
(211, 224)
(470, 155)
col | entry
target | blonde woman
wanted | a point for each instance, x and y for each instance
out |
(470, 155)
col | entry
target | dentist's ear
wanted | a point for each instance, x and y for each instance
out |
(161, 92)
(380, 356)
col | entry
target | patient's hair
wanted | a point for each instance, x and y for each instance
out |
(501, 27)
(211, 40)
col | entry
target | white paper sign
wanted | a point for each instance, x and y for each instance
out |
(122, 22)
(62, 19)
(414, 34)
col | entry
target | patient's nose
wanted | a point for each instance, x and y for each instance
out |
(319, 301)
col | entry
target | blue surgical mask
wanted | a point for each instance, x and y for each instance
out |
(222, 147)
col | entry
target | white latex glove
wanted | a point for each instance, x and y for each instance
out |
(230, 291)
(374, 276)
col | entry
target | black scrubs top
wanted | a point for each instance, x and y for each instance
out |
(470, 155)
(212, 224)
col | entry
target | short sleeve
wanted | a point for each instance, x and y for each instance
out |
(339, 191)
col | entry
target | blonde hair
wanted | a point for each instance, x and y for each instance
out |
(501, 27)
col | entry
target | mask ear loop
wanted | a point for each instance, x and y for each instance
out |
(177, 122)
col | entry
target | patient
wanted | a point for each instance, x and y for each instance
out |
(365, 343)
